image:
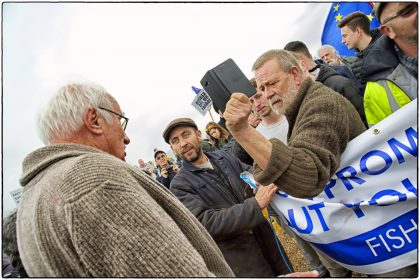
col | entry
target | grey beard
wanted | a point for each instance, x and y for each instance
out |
(278, 111)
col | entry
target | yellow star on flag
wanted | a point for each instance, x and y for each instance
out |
(370, 17)
(336, 7)
(338, 17)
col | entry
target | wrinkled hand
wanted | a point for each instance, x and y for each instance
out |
(237, 111)
(254, 120)
(264, 194)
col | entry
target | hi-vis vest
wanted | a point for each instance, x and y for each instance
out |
(383, 97)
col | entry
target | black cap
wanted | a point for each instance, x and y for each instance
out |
(157, 151)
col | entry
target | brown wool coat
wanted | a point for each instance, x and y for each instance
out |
(85, 213)
(321, 123)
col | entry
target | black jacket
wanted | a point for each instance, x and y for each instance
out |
(381, 60)
(225, 205)
(166, 181)
(357, 65)
(343, 86)
(235, 149)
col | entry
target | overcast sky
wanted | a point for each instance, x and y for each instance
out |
(146, 55)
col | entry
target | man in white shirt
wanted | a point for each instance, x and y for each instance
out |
(272, 125)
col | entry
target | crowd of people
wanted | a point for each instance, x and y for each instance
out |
(85, 212)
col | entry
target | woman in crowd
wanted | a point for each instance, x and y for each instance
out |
(217, 135)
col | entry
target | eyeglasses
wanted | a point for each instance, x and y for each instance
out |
(404, 12)
(162, 156)
(123, 120)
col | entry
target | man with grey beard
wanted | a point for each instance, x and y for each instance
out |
(321, 123)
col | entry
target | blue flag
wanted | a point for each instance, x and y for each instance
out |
(332, 34)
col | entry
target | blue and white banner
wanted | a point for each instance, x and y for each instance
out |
(366, 217)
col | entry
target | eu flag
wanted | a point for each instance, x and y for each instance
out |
(332, 34)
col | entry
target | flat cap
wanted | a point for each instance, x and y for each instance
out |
(175, 123)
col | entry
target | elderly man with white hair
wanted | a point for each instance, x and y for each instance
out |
(85, 212)
(330, 56)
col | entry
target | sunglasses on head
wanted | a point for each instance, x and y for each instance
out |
(404, 12)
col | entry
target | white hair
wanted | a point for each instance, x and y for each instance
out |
(327, 47)
(64, 112)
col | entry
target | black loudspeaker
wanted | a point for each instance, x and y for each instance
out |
(223, 80)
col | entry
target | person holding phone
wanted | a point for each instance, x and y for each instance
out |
(166, 169)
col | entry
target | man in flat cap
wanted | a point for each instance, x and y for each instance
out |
(208, 184)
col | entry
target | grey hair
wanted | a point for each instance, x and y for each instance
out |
(64, 112)
(285, 60)
(328, 47)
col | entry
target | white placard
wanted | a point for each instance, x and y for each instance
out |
(17, 195)
(202, 102)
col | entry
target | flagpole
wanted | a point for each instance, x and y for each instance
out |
(211, 116)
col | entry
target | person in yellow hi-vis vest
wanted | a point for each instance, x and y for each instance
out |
(391, 66)
(384, 97)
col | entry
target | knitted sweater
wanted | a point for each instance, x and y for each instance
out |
(321, 123)
(85, 213)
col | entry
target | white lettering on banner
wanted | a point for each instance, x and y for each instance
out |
(390, 236)
(366, 217)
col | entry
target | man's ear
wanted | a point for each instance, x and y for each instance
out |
(198, 133)
(297, 76)
(303, 65)
(93, 121)
(387, 31)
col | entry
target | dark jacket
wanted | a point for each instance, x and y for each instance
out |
(224, 204)
(343, 86)
(235, 149)
(344, 71)
(207, 146)
(381, 60)
(357, 66)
